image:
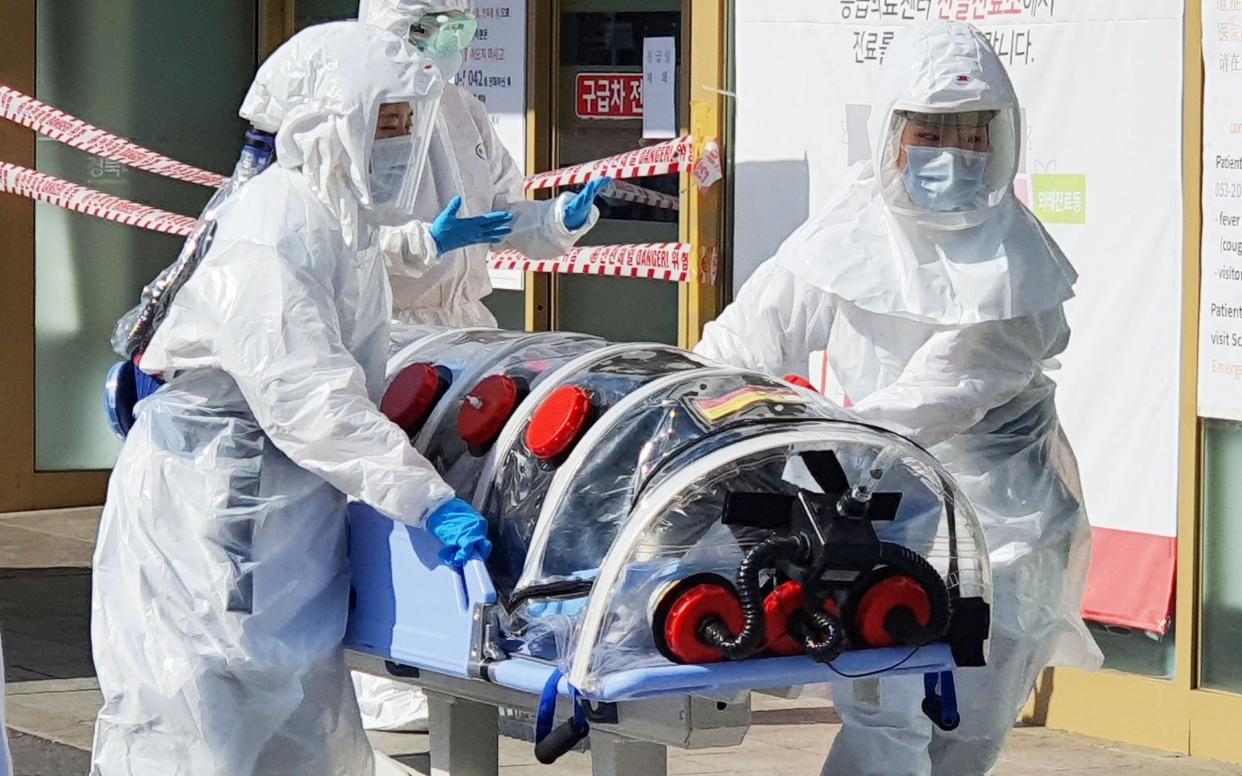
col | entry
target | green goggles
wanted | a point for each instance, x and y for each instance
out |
(444, 33)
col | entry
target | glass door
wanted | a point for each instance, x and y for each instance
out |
(308, 12)
(108, 62)
(601, 47)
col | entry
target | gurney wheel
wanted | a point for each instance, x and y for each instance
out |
(903, 601)
(682, 609)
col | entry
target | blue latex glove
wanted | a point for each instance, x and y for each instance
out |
(578, 210)
(462, 531)
(451, 232)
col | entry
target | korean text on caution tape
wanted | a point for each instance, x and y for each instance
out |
(41, 187)
(652, 261)
(661, 159)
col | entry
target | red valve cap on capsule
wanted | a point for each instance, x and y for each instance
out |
(559, 422)
(694, 607)
(412, 394)
(779, 606)
(486, 410)
(882, 599)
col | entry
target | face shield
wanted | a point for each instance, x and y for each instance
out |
(950, 162)
(444, 34)
(398, 155)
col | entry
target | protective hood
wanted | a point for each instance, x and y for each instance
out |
(873, 246)
(321, 92)
(397, 16)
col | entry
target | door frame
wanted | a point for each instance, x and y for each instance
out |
(22, 486)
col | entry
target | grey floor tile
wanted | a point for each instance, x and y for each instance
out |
(52, 686)
(398, 744)
(79, 525)
(34, 756)
(23, 548)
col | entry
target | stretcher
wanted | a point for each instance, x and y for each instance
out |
(670, 535)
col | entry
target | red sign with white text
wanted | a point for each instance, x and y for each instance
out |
(609, 96)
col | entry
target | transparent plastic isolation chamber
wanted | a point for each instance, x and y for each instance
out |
(652, 509)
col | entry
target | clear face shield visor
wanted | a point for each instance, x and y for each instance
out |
(399, 154)
(445, 33)
(952, 162)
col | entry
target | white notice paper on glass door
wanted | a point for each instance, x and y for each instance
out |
(659, 87)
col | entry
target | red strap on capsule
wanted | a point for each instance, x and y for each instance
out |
(799, 381)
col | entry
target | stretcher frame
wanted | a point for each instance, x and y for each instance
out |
(418, 621)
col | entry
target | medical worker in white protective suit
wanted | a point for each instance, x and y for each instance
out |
(471, 198)
(938, 297)
(220, 575)
(470, 201)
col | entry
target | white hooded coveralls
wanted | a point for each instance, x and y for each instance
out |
(465, 158)
(936, 326)
(221, 584)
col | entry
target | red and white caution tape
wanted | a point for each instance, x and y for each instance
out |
(673, 262)
(642, 195)
(46, 120)
(24, 182)
(709, 167)
(672, 156)
(653, 261)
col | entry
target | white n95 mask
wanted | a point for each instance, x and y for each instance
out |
(390, 162)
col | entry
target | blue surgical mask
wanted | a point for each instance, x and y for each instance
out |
(946, 180)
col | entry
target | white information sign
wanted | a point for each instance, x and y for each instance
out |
(495, 72)
(1220, 307)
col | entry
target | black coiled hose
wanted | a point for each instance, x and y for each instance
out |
(822, 637)
(714, 632)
